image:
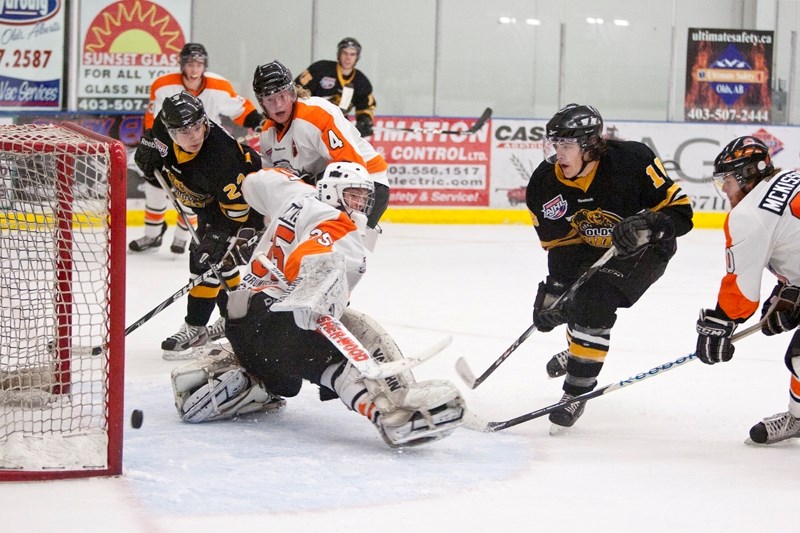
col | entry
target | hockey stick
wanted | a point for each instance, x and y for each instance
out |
(195, 238)
(473, 422)
(475, 128)
(463, 369)
(177, 295)
(333, 330)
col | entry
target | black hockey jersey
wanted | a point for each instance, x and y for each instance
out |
(209, 181)
(574, 218)
(324, 78)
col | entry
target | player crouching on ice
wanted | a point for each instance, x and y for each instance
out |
(315, 239)
(762, 229)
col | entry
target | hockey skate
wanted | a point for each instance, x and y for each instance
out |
(557, 365)
(566, 416)
(178, 246)
(774, 429)
(181, 345)
(148, 243)
(216, 331)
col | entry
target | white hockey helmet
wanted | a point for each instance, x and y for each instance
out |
(347, 186)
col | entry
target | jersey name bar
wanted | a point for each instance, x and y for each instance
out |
(780, 192)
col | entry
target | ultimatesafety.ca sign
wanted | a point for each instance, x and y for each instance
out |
(32, 37)
(728, 75)
(124, 46)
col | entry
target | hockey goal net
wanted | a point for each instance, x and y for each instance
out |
(62, 297)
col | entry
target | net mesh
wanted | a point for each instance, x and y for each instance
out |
(54, 295)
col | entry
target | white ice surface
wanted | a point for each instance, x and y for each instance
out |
(666, 454)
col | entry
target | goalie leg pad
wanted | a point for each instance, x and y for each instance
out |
(407, 416)
(425, 412)
(216, 387)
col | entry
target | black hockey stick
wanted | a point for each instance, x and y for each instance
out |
(177, 295)
(475, 423)
(475, 128)
(463, 369)
(195, 238)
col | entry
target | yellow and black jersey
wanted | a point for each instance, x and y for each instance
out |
(574, 218)
(209, 181)
(325, 79)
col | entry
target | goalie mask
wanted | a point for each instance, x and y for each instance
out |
(347, 186)
(745, 160)
(575, 124)
(184, 116)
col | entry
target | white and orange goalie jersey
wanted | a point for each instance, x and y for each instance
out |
(317, 134)
(762, 231)
(299, 225)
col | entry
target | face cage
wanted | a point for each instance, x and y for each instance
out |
(550, 143)
(365, 195)
(185, 130)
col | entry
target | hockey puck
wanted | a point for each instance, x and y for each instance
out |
(136, 418)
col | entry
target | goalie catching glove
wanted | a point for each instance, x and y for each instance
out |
(714, 334)
(641, 229)
(545, 317)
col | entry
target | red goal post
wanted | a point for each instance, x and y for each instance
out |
(62, 302)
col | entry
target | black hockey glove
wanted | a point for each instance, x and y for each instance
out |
(714, 338)
(147, 157)
(641, 229)
(544, 318)
(212, 247)
(253, 120)
(364, 125)
(786, 315)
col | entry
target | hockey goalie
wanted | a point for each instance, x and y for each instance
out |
(302, 270)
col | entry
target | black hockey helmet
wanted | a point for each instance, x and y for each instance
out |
(349, 42)
(580, 122)
(745, 159)
(271, 78)
(181, 112)
(193, 52)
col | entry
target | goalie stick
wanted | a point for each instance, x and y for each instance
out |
(333, 330)
(475, 423)
(463, 369)
(475, 128)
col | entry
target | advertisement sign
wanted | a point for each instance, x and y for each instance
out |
(433, 169)
(32, 44)
(728, 76)
(124, 46)
(686, 150)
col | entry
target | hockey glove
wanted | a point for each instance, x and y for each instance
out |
(147, 157)
(544, 317)
(241, 252)
(364, 125)
(212, 247)
(641, 229)
(786, 315)
(714, 338)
